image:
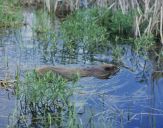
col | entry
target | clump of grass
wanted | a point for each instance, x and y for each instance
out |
(94, 26)
(45, 101)
(118, 25)
(81, 30)
(144, 43)
(117, 53)
(10, 16)
(40, 89)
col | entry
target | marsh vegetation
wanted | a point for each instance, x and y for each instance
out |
(125, 33)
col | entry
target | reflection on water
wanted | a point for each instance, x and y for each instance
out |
(7, 105)
(132, 97)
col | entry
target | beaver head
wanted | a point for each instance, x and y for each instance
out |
(105, 70)
(109, 67)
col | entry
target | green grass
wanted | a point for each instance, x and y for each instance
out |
(118, 25)
(96, 30)
(143, 44)
(81, 30)
(46, 101)
(10, 16)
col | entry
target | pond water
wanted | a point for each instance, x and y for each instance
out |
(133, 98)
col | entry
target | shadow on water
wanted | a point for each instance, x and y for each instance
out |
(131, 98)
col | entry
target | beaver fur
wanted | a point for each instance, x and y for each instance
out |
(101, 71)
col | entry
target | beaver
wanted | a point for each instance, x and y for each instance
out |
(101, 71)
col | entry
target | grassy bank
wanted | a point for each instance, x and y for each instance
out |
(10, 14)
(96, 30)
(147, 18)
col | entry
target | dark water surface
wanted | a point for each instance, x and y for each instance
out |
(130, 99)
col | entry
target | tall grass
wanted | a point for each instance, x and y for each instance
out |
(148, 19)
(44, 101)
(81, 31)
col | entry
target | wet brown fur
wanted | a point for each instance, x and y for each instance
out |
(101, 71)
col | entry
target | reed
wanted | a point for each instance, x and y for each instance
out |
(148, 19)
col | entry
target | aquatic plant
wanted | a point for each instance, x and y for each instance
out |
(119, 26)
(45, 101)
(81, 30)
(143, 44)
(117, 53)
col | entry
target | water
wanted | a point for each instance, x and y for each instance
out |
(134, 96)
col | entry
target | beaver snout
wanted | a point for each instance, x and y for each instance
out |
(105, 71)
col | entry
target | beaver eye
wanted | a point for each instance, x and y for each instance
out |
(108, 68)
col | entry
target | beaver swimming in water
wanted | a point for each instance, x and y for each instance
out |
(101, 71)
